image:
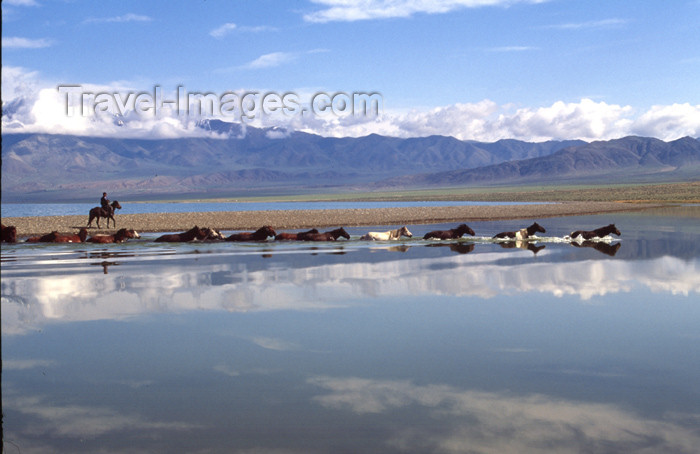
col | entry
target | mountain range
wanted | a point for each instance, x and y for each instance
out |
(249, 161)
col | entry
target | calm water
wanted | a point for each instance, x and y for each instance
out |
(358, 347)
(61, 209)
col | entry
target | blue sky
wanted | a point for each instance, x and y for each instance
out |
(473, 69)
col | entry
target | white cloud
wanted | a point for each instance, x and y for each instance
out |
(230, 27)
(14, 42)
(31, 105)
(348, 11)
(271, 60)
(223, 30)
(604, 23)
(130, 17)
(512, 49)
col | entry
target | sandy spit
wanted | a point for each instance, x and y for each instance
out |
(298, 219)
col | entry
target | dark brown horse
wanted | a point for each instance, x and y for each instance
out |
(331, 235)
(450, 234)
(9, 233)
(99, 212)
(597, 233)
(292, 236)
(121, 235)
(259, 235)
(521, 234)
(195, 233)
(55, 237)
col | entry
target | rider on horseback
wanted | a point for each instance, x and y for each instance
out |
(104, 202)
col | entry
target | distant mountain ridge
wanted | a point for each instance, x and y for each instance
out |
(42, 167)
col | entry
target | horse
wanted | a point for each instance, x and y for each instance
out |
(520, 244)
(597, 233)
(9, 233)
(450, 234)
(522, 234)
(386, 236)
(120, 236)
(55, 237)
(331, 235)
(99, 212)
(195, 233)
(292, 236)
(259, 235)
(212, 234)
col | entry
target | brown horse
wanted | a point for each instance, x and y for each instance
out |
(597, 233)
(99, 212)
(9, 233)
(195, 233)
(121, 235)
(451, 234)
(521, 234)
(259, 235)
(292, 236)
(55, 237)
(331, 235)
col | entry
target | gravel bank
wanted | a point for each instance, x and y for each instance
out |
(297, 219)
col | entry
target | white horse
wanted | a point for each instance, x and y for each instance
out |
(386, 236)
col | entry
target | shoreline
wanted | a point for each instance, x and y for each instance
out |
(329, 218)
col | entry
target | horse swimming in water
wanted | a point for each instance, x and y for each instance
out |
(259, 235)
(195, 233)
(9, 233)
(331, 235)
(285, 236)
(99, 212)
(450, 234)
(120, 236)
(597, 233)
(55, 237)
(389, 235)
(521, 234)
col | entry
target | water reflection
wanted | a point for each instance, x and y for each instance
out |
(459, 347)
(273, 279)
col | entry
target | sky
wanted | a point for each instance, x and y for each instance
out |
(473, 69)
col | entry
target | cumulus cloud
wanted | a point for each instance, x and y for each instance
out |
(31, 105)
(230, 27)
(14, 42)
(343, 10)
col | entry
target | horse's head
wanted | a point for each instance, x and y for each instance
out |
(268, 230)
(341, 232)
(9, 234)
(614, 230)
(82, 234)
(535, 227)
(212, 234)
(464, 228)
(405, 232)
(116, 205)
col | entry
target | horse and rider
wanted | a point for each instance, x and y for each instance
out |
(105, 210)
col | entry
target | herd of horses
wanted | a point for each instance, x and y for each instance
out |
(9, 235)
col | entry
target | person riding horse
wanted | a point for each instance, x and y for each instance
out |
(105, 203)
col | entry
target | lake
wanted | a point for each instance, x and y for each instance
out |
(63, 209)
(357, 347)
